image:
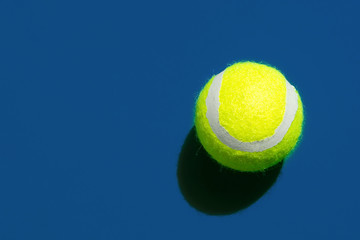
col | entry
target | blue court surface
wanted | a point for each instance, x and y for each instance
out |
(96, 120)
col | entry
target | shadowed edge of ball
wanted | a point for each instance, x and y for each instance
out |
(214, 189)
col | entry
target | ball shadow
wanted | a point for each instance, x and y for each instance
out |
(214, 189)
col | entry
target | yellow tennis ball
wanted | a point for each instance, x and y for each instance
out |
(249, 117)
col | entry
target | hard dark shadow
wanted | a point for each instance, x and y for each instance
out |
(214, 189)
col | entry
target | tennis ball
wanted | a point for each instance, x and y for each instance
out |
(249, 117)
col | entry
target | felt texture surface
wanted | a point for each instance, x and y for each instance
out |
(252, 99)
(213, 116)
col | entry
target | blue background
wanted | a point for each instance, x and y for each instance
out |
(97, 98)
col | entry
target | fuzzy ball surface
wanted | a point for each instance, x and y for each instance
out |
(249, 117)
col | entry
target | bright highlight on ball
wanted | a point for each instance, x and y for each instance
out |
(249, 117)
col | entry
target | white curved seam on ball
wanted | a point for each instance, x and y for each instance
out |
(212, 114)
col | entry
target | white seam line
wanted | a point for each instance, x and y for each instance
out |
(212, 114)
